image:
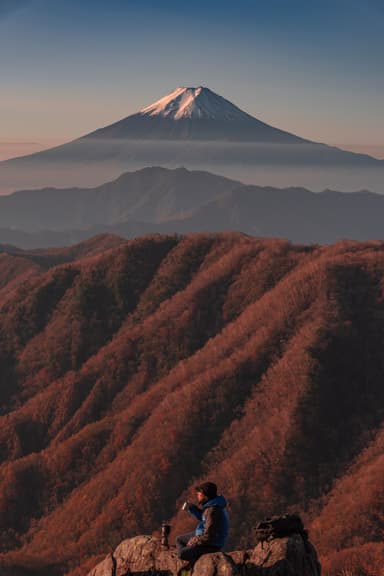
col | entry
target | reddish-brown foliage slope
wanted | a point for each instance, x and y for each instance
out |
(131, 371)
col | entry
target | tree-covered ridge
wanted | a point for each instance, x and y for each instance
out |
(132, 372)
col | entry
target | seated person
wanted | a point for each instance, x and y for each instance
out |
(211, 533)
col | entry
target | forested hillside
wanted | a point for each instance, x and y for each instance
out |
(131, 370)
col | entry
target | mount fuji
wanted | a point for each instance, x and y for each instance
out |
(199, 129)
(194, 114)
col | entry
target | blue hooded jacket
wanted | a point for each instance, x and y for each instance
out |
(215, 531)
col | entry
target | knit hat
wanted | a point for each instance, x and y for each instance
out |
(209, 489)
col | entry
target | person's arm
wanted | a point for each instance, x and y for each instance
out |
(195, 511)
(213, 518)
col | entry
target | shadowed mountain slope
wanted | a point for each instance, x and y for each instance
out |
(293, 213)
(129, 375)
(152, 195)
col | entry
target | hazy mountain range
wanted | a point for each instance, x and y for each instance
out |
(132, 370)
(180, 201)
(199, 129)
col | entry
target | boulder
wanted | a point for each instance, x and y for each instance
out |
(290, 556)
(145, 556)
(216, 564)
(105, 568)
(140, 555)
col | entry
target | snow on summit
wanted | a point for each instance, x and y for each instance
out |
(194, 103)
(192, 114)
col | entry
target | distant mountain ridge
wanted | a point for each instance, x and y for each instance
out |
(152, 194)
(159, 200)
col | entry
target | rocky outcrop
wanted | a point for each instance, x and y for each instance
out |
(145, 556)
(291, 556)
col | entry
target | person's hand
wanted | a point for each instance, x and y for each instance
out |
(192, 541)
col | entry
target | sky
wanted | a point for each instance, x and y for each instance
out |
(311, 67)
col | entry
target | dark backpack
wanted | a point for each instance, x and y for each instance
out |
(280, 527)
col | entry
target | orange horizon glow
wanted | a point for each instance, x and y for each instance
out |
(14, 148)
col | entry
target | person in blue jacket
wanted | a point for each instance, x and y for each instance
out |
(211, 532)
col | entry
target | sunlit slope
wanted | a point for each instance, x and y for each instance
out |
(131, 374)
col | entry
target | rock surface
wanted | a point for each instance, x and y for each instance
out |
(216, 564)
(291, 556)
(145, 556)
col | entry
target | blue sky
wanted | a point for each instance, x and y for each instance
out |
(312, 67)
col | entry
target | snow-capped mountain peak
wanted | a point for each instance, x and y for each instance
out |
(194, 103)
(193, 113)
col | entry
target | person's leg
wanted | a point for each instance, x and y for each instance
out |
(182, 541)
(192, 553)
